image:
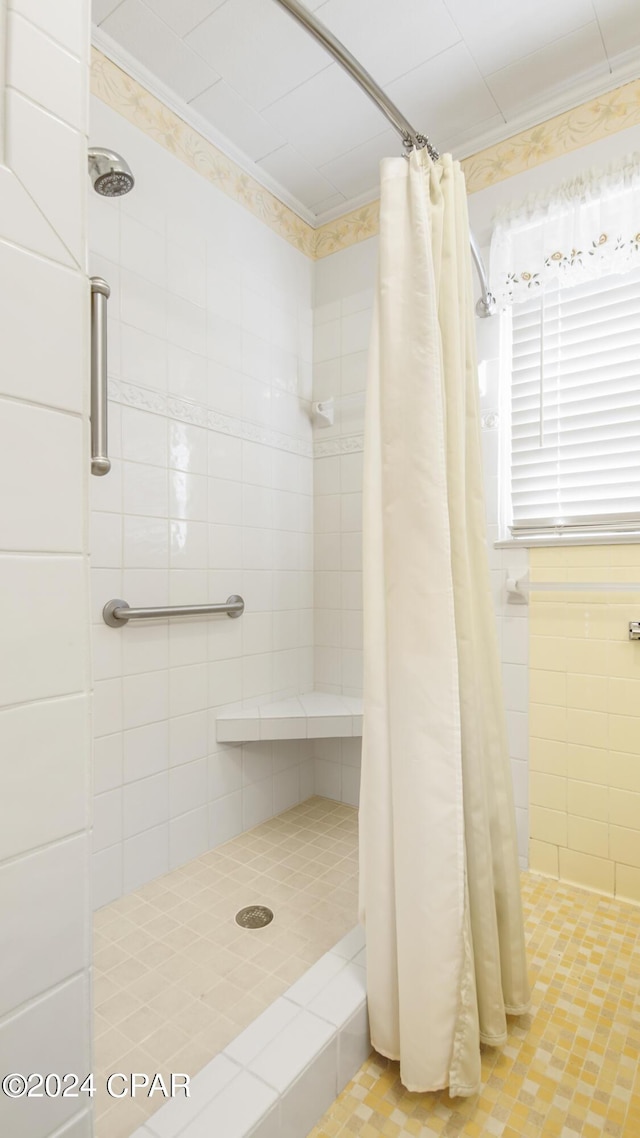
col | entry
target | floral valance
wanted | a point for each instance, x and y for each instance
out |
(583, 229)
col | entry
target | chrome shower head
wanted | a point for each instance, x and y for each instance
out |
(110, 174)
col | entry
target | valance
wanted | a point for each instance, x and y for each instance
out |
(582, 229)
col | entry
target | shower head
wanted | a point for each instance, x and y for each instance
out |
(110, 174)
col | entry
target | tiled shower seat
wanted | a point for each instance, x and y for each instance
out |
(313, 715)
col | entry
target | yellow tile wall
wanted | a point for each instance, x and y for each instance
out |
(584, 716)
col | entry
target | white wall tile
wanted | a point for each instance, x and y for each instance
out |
(145, 490)
(44, 643)
(144, 355)
(145, 751)
(146, 856)
(145, 803)
(49, 1034)
(43, 368)
(188, 837)
(45, 941)
(225, 818)
(106, 871)
(187, 787)
(311, 1094)
(291, 1050)
(107, 763)
(257, 803)
(36, 140)
(144, 437)
(354, 1047)
(105, 540)
(107, 819)
(44, 72)
(43, 744)
(188, 739)
(145, 698)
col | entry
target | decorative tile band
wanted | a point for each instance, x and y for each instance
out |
(598, 118)
(348, 444)
(197, 415)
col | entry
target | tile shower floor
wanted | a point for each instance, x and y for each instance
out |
(570, 1068)
(176, 978)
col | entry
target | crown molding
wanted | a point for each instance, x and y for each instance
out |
(576, 117)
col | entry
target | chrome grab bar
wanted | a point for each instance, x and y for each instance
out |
(100, 461)
(116, 613)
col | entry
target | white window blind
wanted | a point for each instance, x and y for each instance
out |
(575, 409)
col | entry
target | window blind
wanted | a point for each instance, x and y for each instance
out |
(575, 408)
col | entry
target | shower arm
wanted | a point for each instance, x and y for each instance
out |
(411, 138)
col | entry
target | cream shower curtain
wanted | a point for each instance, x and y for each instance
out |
(439, 889)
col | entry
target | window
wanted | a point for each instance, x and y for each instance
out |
(575, 409)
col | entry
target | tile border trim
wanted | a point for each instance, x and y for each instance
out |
(600, 117)
(347, 444)
(198, 415)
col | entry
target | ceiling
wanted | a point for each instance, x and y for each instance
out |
(465, 72)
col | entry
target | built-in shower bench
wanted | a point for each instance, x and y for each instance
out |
(313, 715)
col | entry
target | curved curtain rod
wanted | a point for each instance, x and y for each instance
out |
(411, 138)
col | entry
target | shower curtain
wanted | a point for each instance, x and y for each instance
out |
(439, 887)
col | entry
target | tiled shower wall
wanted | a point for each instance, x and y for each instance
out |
(44, 472)
(342, 319)
(210, 494)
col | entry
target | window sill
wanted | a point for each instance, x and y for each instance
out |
(567, 539)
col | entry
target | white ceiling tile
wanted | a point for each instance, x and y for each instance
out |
(619, 23)
(444, 96)
(358, 171)
(497, 32)
(301, 179)
(245, 127)
(183, 15)
(100, 9)
(326, 116)
(533, 77)
(147, 38)
(389, 41)
(258, 49)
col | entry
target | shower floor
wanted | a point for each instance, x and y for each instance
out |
(569, 1069)
(175, 978)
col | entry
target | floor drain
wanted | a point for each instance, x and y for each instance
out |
(254, 917)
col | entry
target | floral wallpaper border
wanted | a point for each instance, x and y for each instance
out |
(607, 114)
(600, 117)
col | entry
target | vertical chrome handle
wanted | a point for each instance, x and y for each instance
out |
(100, 461)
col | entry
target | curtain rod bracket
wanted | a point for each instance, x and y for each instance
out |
(486, 306)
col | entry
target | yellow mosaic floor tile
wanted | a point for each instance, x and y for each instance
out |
(570, 1069)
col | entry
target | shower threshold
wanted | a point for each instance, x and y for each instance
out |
(178, 981)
